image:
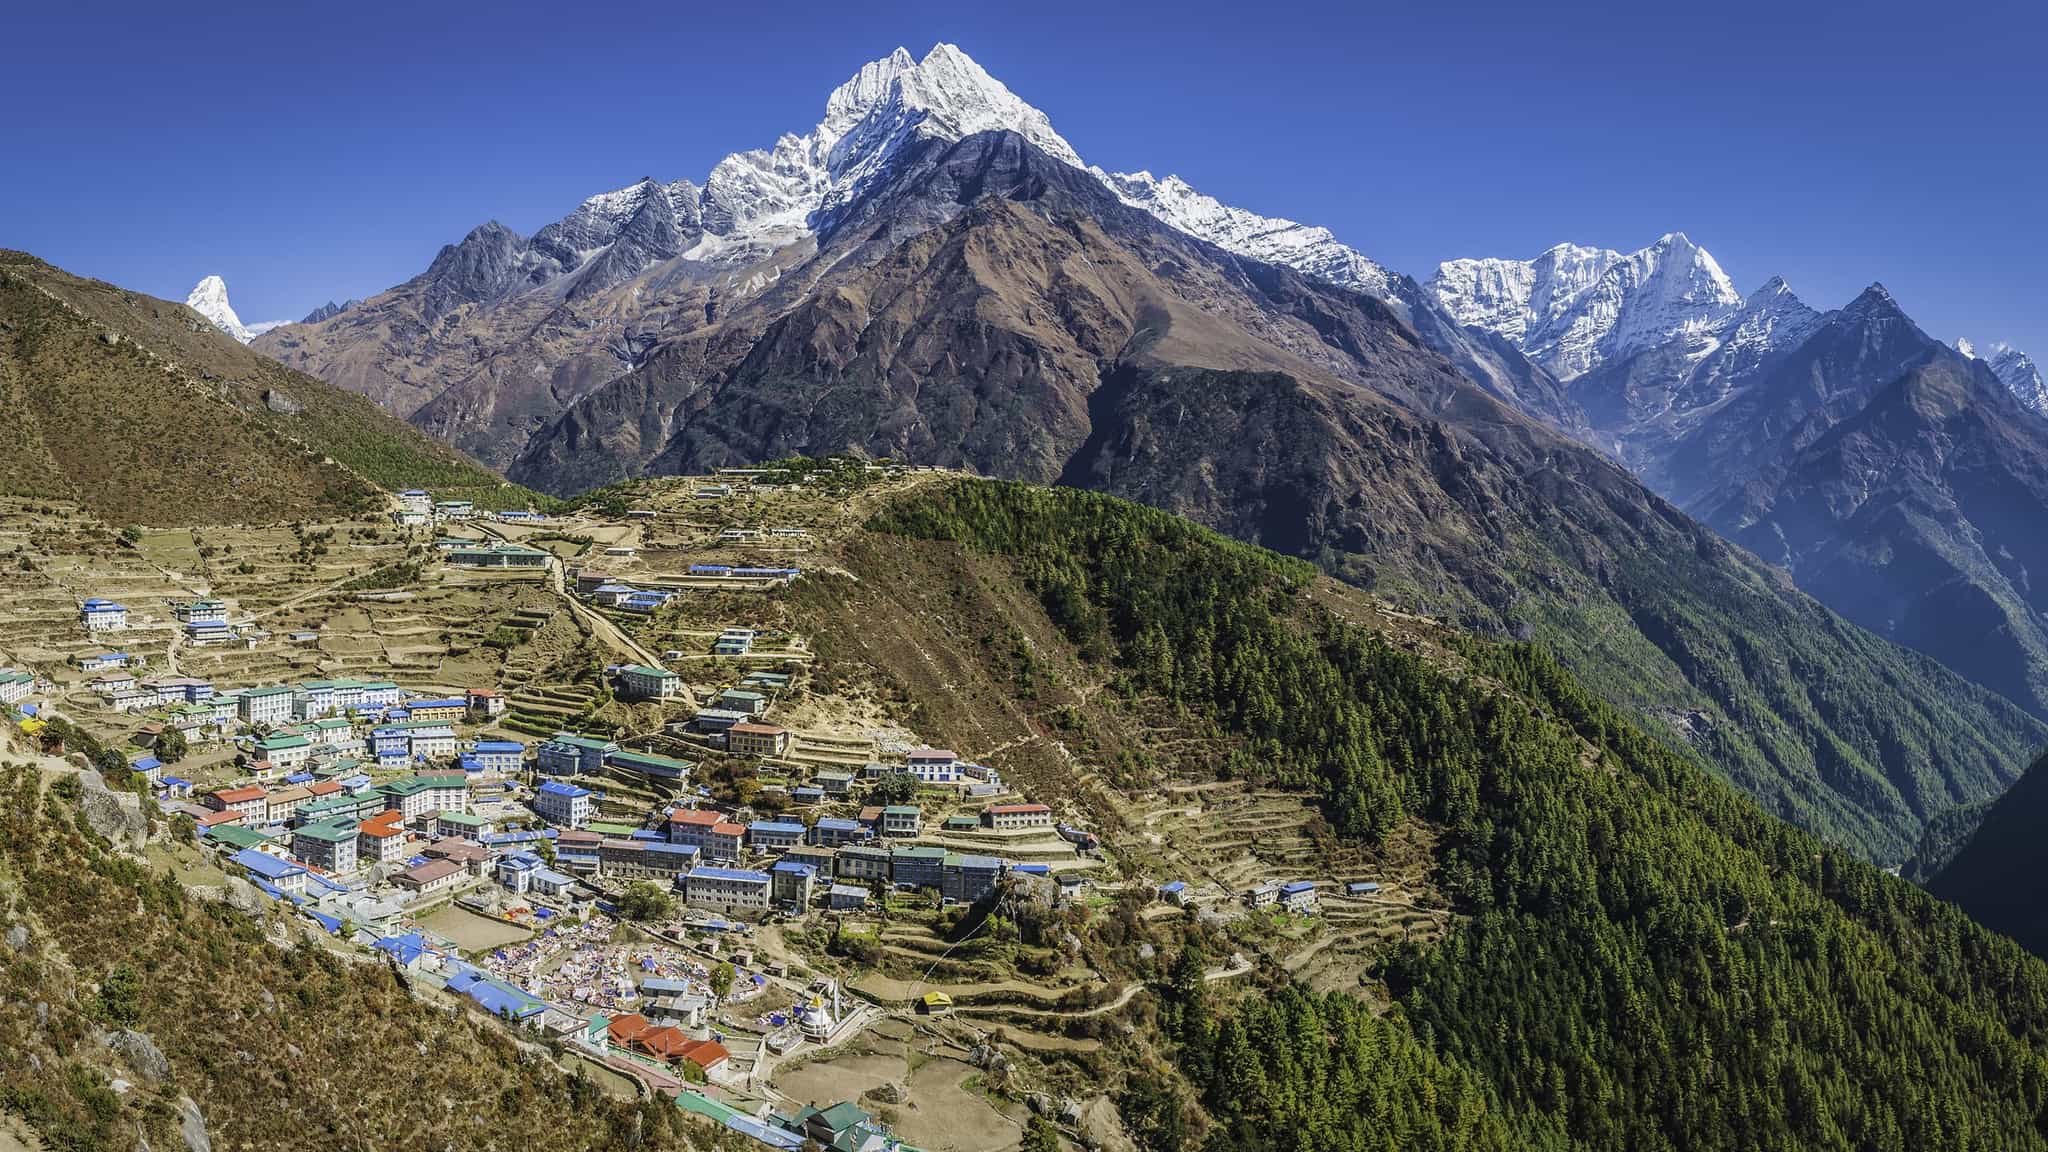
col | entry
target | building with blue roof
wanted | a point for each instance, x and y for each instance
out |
(502, 756)
(562, 804)
(98, 615)
(409, 951)
(501, 999)
(792, 882)
(710, 887)
(774, 835)
(1299, 895)
(833, 831)
(285, 876)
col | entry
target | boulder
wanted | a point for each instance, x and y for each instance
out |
(118, 816)
(140, 1051)
(280, 402)
(17, 938)
(192, 1126)
(245, 897)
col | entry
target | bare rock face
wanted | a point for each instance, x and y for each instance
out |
(141, 1053)
(244, 898)
(118, 816)
(192, 1126)
(282, 403)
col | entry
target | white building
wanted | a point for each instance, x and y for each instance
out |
(271, 705)
(102, 615)
(708, 887)
(562, 804)
(643, 683)
(934, 765)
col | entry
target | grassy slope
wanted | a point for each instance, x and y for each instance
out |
(177, 424)
(1645, 959)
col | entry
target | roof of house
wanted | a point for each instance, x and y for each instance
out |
(557, 788)
(241, 795)
(624, 1029)
(431, 871)
(702, 816)
(776, 828)
(644, 670)
(265, 865)
(237, 835)
(740, 875)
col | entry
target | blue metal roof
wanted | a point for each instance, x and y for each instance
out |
(405, 949)
(1298, 886)
(840, 824)
(776, 828)
(730, 874)
(556, 788)
(1173, 886)
(793, 867)
(266, 866)
(500, 746)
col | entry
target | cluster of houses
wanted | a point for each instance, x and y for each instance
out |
(417, 507)
(291, 726)
(607, 592)
(203, 622)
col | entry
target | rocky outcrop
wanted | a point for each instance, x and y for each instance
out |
(141, 1053)
(118, 816)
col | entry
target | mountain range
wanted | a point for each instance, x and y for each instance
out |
(1896, 478)
(932, 273)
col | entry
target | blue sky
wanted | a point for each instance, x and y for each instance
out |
(309, 151)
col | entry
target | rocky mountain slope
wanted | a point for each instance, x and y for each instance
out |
(503, 332)
(144, 412)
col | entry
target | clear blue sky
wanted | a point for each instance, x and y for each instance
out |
(309, 151)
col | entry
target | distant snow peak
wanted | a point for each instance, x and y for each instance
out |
(209, 298)
(1573, 308)
(2015, 369)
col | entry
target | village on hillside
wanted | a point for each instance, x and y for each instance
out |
(574, 769)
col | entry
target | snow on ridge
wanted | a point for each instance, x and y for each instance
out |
(756, 201)
(2015, 369)
(1306, 248)
(1573, 308)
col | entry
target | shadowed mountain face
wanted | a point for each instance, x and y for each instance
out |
(1999, 875)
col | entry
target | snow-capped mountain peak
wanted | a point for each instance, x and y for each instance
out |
(1303, 247)
(2015, 369)
(754, 202)
(209, 298)
(1573, 308)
